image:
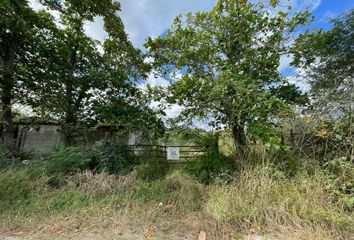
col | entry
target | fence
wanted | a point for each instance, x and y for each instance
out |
(174, 154)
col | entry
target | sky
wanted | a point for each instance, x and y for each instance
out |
(144, 18)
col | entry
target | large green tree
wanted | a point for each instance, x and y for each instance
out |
(20, 26)
(81, 74)
(228, 60)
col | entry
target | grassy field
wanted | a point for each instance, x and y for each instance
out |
(258, 200)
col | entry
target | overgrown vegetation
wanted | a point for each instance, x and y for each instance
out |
(71, 183)
(276, 161)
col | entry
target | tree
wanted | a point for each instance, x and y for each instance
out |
(228, 60)
(78, 71)
(19, 27)
(327, 58)
(132, 113)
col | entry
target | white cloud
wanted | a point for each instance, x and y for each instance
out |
(37, 6)
(301, 5)
(173, 111)
(297, 6)
(154, 81)
(300, 80)
(34, 4)
(285, 61)
(95, 29)
(143, 18)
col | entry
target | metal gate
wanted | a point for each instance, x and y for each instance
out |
(159, 152)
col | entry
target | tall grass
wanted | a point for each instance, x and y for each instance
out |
(266, 197)
(306, 204)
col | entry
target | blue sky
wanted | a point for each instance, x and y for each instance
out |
(323, 11)
(329, 9)
(144, 18)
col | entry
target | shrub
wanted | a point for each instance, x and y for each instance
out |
(68, 160)
(7, 158)
(19, 186)
(340, 177)
(152, 169)
(112, 159)
(211, 165)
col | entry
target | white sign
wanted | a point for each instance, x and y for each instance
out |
(172, 153)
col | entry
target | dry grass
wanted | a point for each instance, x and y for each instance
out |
(260, 201)
(102, 183)
(276, 204)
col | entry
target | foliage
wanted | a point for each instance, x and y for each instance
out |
(152, 169)
(211, 166)
(68, 161)
(228, 59)
(135, 116)
(113, 159)
(20, 29)
(327, 58)
(77, 73)
(341, 181)
(66, 76)
(110, 159)
(5, 158)
(182, 135)
(17, 186)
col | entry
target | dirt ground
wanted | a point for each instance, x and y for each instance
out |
(110, 234)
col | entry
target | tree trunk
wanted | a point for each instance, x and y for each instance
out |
(239, 137)
(70, 112)
(7, 85)
(7, 126)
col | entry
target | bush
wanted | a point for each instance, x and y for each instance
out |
(340, 176)
(152, 169)
(212, 165)
(111, 159)
(8, 158)
(68, 160)
(6, 161)
(19, 186)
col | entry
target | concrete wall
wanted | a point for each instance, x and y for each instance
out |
(41, 138)
(47, 137)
